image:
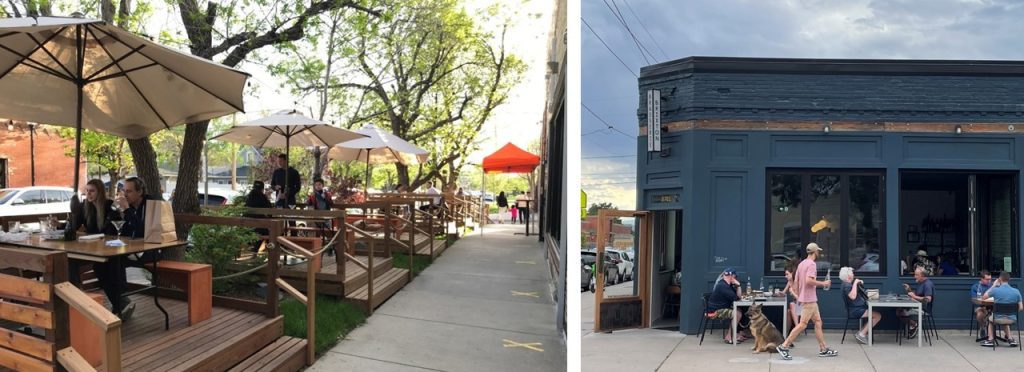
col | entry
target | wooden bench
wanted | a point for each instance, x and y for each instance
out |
(196, 280)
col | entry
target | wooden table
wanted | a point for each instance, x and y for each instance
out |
(97, 251)
(768, 301)
(898, 303)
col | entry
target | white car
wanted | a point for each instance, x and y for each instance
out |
(35, 200)
(621, 259)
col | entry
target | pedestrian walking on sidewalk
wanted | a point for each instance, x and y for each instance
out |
(502, 207)
(806, 287)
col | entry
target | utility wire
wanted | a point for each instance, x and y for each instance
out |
(605, 122)
(622, 21)
(656, 45)
(608, 47)
(595, 131)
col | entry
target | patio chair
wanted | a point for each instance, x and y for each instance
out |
(706, 321)
(847, 301)
(1005, 309)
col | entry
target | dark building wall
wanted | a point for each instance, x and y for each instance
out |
(720, 175)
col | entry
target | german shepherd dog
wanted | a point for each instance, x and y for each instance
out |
(766, 336)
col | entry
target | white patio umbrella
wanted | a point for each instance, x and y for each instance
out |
(87, 74)
(379, 147)
(285, 129)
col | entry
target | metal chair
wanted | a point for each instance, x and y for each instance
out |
(1005, 310)
(705, 321)
(847, 302)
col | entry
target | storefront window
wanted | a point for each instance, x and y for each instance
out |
(843, 215)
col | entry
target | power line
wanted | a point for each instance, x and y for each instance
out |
(645, 30)
(622, 21)
(605, 122)
(592, 132)
(608, 47)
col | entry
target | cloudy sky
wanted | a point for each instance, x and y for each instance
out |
(897, 29)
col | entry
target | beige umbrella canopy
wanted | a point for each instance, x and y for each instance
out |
(85, 73)
(379, 147)
(285, 129)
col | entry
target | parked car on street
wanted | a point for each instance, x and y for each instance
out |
(620, 259)
(611, 273)
(35, 200)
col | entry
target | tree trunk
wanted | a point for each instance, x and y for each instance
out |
(317, 165)
(144, 158)
(403, 175)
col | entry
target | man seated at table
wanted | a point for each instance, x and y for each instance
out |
(133, 203)
(977, 289)
(721, 299)
(434, 202)
(853, 289)
(924, 293)
(1002, 293)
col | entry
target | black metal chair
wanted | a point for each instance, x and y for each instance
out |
(706, 322)
(847, 301)
(926, 329)
(1005, 310)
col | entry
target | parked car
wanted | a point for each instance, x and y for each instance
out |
(622, 261)
(35, 200)
(586, 276)
(216, 198)
(611, 273)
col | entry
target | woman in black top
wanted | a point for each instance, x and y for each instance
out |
(502, 206)
(97, 211)
(257, 199)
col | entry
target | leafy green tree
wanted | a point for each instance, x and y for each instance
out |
(592, 211)
(110, 153)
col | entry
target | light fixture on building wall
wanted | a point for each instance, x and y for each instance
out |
(827, 128)
(10, 125)
(958, 129)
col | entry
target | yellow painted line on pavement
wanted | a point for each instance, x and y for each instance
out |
(526, 262)
(528, 294)
(535, 346)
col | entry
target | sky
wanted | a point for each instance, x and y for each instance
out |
(896, 29)
(517, 121)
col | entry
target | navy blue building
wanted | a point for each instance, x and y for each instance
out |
(874, 160)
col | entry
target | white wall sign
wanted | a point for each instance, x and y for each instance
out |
(653, 120)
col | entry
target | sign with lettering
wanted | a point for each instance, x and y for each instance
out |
(653, 120)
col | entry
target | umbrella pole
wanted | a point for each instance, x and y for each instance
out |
(287, 167)
(80, 61)
(483, 204)
(366, 185)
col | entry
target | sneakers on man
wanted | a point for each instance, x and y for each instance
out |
(860, 338)
(988, 343)
(1013, 343)
(913, 332)
(828, 353)
(127, 310)
(783, 352)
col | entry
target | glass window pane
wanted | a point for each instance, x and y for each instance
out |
(865, 223)
(784, 220)
(826, 204)
(33, 197)
(999, 217)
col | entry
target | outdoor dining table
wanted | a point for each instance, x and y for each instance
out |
(765, 301)
(900, 302)
(97, 251)
(987, 304)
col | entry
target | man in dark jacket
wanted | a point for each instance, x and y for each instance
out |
(277, 183)
(721, 299)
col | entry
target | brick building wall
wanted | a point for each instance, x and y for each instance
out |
(53, 167)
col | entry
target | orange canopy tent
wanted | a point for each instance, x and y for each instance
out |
(510, 159)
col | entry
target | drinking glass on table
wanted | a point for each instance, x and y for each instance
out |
(13, 226)
(118, 220)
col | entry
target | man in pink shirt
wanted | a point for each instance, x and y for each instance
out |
(806, 287)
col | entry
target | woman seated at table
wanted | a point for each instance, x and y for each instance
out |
(853, 289)
(95, 217)
(257, 198)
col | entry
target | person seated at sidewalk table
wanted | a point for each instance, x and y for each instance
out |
(1002, 293)
(319, 199)
(94, 218)
(977, 289)
(924, 293)
(720, 302)
(946, 266)
(853, 289)
(257, 198)
(133, 203)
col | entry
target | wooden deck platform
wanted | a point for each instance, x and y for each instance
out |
(229, 339)
(422, 244)
(327, 278)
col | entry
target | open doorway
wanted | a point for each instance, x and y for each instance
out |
(666, 264)
(958, 223)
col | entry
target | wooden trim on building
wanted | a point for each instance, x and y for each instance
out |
(838, 126)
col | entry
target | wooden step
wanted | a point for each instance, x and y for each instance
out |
(287, 354)
(384, 287)
(193, 348)
(327, 280)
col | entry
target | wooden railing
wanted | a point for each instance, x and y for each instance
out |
(99, 316)
(310, 298)
(369, 262)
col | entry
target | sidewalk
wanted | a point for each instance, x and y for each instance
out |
(472, 310)
(656, 350)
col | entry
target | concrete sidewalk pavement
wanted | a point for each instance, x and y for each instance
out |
(483, 305)
(658, 350)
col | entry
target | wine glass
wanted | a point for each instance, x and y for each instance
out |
(117, 226)
(118, 220)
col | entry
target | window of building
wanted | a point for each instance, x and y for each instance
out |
(958, 223)
(840, 210)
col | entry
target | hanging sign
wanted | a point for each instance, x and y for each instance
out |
(653, 120)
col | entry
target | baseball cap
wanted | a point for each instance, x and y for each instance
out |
(729, 271)
(813, 247)
(922, 252)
